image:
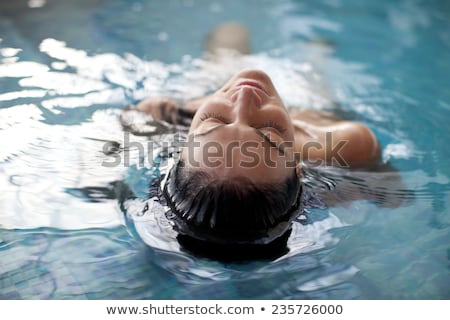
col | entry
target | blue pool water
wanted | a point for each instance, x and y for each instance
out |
(73, 228)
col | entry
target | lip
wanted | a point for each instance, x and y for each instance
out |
(251, 83)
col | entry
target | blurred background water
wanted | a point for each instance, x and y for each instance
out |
(69, 228)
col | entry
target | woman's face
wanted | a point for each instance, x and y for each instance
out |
(243, 129)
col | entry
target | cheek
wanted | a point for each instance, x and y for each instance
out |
(197, 119)
(195, 123)
(284, 120)
(291, 134)
(289, 126)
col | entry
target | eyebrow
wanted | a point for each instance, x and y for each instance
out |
(257, 131)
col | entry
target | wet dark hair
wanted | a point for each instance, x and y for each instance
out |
(234, 211)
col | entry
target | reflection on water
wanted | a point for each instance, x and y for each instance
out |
(72, 227)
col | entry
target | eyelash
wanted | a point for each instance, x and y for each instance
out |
(213, 115)
(274, 125)
(219, 117)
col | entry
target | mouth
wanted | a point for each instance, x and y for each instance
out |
(253, 84)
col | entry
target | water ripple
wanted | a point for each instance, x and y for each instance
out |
(73, 227)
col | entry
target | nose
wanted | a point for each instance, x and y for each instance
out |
(246, 103)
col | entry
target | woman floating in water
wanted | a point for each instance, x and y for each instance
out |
(237, 181)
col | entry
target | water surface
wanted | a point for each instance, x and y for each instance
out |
(73, 228)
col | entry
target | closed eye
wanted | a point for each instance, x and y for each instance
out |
(215, 116)
(273, 125)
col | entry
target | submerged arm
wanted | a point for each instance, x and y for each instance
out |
(170, 110)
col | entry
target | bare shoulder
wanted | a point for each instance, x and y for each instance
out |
(349, 143)
(360, 146)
